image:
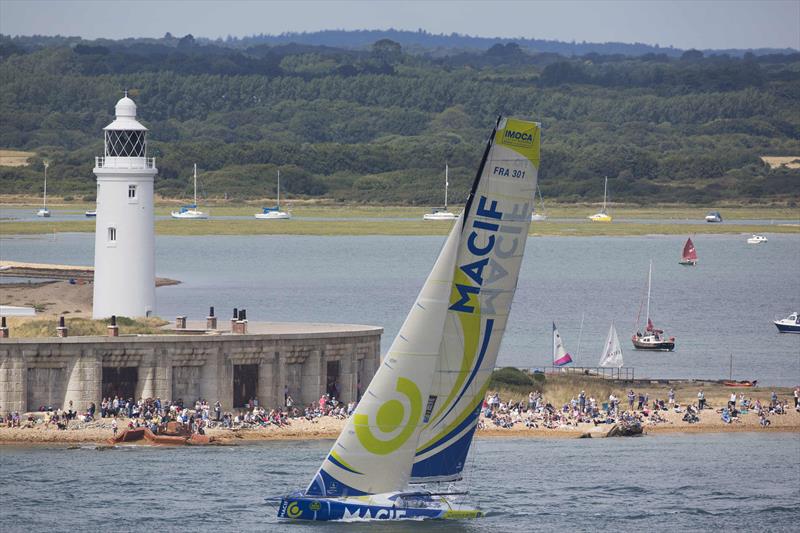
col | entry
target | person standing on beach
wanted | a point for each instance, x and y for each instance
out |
(631, 398)
(797, 397)
(701, 400)
(582, 401)
(671, 396)
(114, 426)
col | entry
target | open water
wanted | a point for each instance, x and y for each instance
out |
(721, 308)
(725, 482)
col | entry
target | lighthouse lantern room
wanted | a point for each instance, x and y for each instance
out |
(124, 248)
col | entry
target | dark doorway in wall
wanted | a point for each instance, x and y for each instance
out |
(245, 384)
(120, 381)
(332, 379)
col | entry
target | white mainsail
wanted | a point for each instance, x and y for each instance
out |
(493, 240)
(421, 407)
(612, 352)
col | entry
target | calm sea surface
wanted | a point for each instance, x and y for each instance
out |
(725, 482)
(722, 307)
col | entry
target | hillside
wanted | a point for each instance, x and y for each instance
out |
(377, 124)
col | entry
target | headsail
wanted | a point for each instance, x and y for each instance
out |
(560, 355)
(494, 230)
(612, 352)
(689, 252)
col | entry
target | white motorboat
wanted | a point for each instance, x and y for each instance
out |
(714, 216)
(603, 215)
(274, 213)
(44, 212)
(191, 211)
(757, 239)
(442, 213)
(790, 324)
(91, 214)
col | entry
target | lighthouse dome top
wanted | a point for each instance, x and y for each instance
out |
(125, 107)
(125, 111)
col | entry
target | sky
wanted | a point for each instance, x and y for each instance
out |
(683, 24)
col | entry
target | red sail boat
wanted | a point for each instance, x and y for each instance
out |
(689, 257)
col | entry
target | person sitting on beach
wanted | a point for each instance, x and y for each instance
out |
(763, 420)
(726, 417)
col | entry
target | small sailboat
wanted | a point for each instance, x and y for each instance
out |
(757, 239)
(689, 256)
(538, 216)
(44, 212)
(603, 215)
(652, 338)
(442, 214)
(790, 324)
(191, 211)
(415, 422)
(274, 213)
(560, 355)
(612, 351)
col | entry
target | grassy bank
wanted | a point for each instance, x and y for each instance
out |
(27, 328)
(511, 384)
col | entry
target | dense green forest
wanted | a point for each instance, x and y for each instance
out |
(377, 124)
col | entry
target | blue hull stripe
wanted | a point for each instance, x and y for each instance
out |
(487, 334)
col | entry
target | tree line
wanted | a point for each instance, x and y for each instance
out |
(379, 124)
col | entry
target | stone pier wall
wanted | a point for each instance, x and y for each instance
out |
(54, 372)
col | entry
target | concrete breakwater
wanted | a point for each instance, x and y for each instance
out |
(265, 363)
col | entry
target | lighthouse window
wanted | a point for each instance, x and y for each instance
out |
(125, 143)
(112, 234)
(131, 192)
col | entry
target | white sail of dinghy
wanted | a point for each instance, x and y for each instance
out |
(612, 351)
(417, 417)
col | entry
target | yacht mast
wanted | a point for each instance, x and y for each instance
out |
(195, 185)
(44, 200)
(605, 191)
(649, 279)
(446, 184)
(279, 190)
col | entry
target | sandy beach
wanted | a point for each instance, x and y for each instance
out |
(329, 428)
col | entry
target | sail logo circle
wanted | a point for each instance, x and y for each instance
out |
(293, 511)
(389, 418)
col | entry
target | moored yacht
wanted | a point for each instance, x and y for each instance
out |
(441, 213)
(191, 211)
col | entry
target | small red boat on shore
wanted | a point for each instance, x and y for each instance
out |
(740, 383)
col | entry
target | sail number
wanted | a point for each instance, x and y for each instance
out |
(513, 172)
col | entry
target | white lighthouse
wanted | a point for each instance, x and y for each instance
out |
(124, 247)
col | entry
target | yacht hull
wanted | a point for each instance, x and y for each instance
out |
(662, 346)
(373, 507)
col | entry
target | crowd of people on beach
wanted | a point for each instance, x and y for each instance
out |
(632, 411)
(641, 410)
